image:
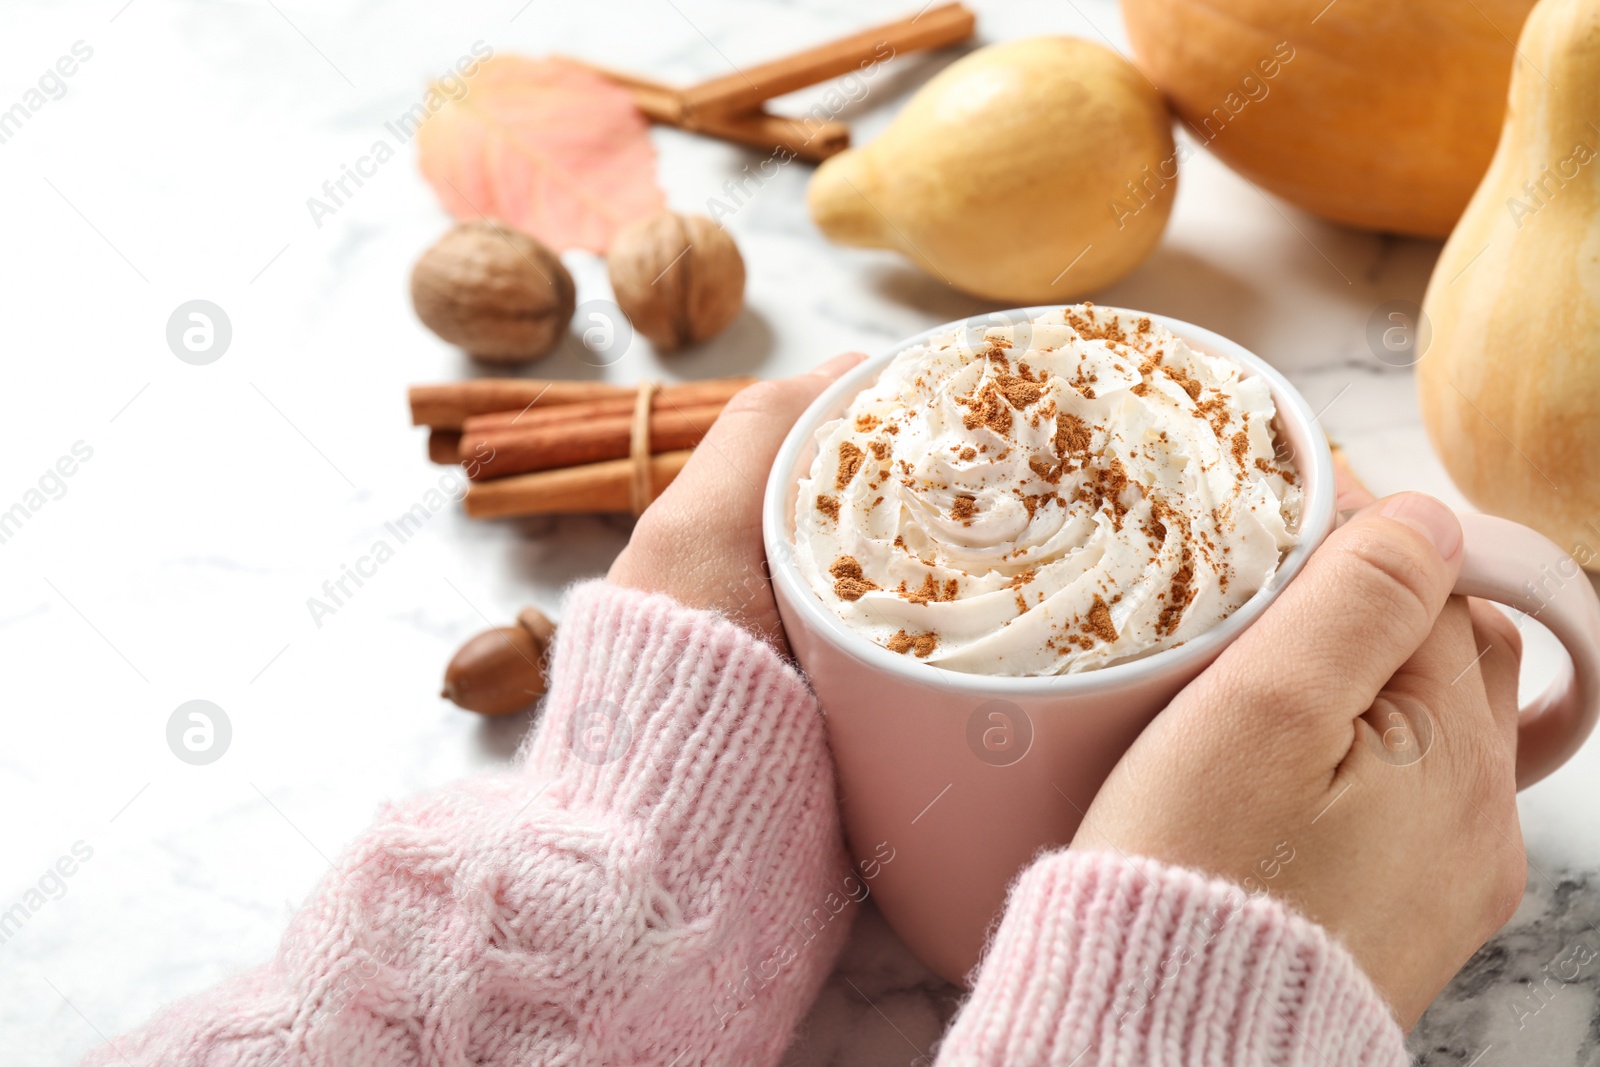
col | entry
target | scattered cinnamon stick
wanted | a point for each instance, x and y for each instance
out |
(750, 87)
(593, 487)
(515, 450)
(808, 139)
(446, 406)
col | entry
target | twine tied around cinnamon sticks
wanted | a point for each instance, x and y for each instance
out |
(534, 447)
(640, 495)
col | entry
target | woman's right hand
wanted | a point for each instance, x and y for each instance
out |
(1353, 754)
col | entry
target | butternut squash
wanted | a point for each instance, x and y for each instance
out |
(1029, 172)
(1510, 385)
(1380, 114)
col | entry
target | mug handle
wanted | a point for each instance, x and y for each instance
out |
(1498, 564)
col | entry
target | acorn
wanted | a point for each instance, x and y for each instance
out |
(501, 671)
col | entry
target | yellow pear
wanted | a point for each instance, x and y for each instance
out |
(1510, 386)
(1027, 172)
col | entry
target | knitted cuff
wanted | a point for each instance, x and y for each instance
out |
(1103, 959)
(686, 721)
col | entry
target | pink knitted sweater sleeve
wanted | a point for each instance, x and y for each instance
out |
(660, 881)
(1103, 959)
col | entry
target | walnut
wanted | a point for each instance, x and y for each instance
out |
(679, 278)
(495, 291)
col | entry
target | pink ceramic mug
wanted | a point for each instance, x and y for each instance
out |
(962, 778)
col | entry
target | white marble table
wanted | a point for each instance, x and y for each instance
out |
(176, 561)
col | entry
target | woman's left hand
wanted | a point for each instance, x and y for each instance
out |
(700, 542)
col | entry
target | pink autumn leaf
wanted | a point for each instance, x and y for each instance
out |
(551, 148)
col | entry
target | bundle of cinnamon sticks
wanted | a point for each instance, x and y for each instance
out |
(731, 107)
(535, 447)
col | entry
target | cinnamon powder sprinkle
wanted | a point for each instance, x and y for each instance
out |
(1044, 469)
(1104, 487)
(1266, 468)
(1091, 329)
(1155, 529)
(850, 457)
(829, 506)
(931, 593)
(1072, 435)
(920, 644)
(986, 408)
(848, 581)
(1099, 622)
(866, 423)
(1189, 384)
(1241, 447)
(1019, 391)
(968, 454)
(964, 508)
(1215, 410)
(1179, 596)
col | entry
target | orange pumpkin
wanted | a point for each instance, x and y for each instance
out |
(1380, 114)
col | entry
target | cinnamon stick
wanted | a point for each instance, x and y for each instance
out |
(444, 446)
(447, 405)
(812, 141)
(692, 394)
(593, 487)
(750, 87)
(503, 452)
(807, 139)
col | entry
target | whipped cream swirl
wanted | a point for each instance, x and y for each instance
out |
(1047, 497)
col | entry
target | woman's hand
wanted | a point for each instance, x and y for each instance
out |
(1353, 753)
(700, 542)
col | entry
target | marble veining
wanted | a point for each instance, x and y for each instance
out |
(1532, 995)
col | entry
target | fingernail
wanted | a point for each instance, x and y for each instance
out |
(1428, 517)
